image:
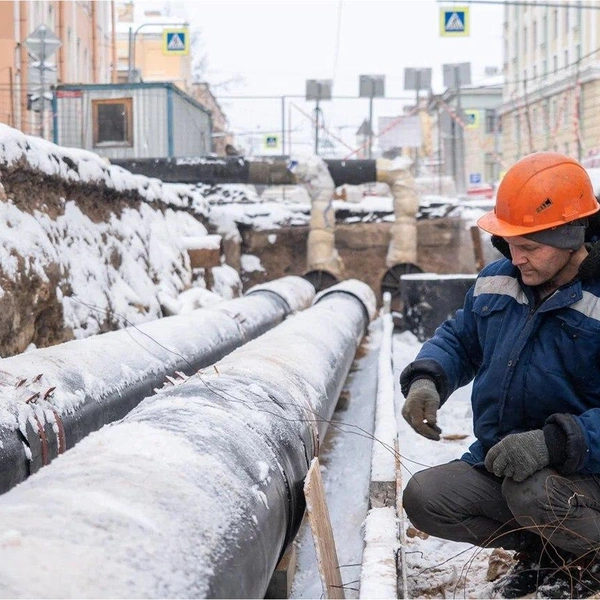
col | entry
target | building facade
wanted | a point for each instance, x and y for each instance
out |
(85, 55)
(142, 57)
(552, 81)
(467, 135)
(140, 46)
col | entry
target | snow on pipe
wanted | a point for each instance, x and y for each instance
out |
(198, 490)
(51, 398)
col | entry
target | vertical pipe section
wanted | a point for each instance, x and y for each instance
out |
(196, 492)
(402, 251)
(322, 258)
(51, 398)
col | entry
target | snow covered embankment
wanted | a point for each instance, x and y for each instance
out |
(85, 247)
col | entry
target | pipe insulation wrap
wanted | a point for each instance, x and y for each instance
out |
(198, 490)
(52, 398)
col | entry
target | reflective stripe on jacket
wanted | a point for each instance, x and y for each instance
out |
(528, 362)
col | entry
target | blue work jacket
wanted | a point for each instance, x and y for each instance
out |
(530, 365)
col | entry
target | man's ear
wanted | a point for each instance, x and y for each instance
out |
(501, 245)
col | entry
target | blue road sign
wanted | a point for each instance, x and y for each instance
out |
(454, 21)
(176, 41)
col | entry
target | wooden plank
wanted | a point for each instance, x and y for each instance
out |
(401, 556)
(320, 526)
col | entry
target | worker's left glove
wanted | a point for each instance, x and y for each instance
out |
(518, 455)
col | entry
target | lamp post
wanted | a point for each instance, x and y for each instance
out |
(133, 35)
(371, 86)
(318, 89)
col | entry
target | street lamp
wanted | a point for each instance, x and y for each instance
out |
(371, 86)
(318, 89)
(133, 35)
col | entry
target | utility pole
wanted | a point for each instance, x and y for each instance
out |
(317, 109)
(318, 89)
(41, 45)
(418, 91)
(371, 86)
(417, 79)
(455, 75)
(460, 176)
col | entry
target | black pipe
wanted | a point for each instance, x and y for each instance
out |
(197, 491)
(266, 171)
(144, 355)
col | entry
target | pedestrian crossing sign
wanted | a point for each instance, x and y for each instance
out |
(176, 41)
(472, 119)
(454, 21)
(272, 142)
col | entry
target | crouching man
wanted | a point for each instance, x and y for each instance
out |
(529, 338)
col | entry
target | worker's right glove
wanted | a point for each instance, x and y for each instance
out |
(420, 408)
(518, 455)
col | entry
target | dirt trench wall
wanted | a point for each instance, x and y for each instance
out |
(443, 246)
(79, 258)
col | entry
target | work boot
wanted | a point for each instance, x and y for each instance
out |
(533, 565)
(577, 579)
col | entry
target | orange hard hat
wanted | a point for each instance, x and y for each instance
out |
(540, 191)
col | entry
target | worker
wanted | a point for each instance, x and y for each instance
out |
(528, 336)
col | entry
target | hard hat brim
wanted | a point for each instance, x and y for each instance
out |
(492, 224)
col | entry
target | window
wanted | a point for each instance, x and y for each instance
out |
(113, 122)
(534, 31)
(490, 120)
(555, 60)
(555, 24)
(544, 31)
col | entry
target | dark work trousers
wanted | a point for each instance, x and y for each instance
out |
(459, 502)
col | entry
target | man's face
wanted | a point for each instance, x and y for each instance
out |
(538, 263)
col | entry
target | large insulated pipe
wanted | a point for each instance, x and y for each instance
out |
(264, 171)
(402, 250)
(53, 397)
(197, 491)
(324, 266)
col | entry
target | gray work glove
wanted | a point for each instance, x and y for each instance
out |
(518, 455)
(420, 408)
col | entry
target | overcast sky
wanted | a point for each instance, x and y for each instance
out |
(270, 48)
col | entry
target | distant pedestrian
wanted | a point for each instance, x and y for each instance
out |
(528, 337)
(231, 150)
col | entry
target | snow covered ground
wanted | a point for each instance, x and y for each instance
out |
(435, 568)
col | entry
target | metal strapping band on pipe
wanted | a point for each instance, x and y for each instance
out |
(58, 395)
(197, 491)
